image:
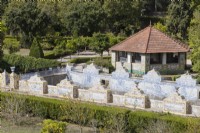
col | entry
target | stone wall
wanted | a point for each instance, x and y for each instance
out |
(156, 105)
(136, 99)
(118, 99)
(64, 89)
(150, 92)
(167, 68)
(23, 86)
(96, 94)
(176, 104)
(37, 85)
(195, 110)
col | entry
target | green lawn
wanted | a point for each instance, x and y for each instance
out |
(34, 125)
(23, 51)
(7, 126)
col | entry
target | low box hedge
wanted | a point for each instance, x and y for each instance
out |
(53, 55)
(87, 59)
(106, 117)
(26, 63)
(99, 61)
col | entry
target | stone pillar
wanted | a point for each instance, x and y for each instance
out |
(182, 58)
(128, 65)
(14, 81)
(147, 62)
(143, 59)
(129, 58)
(164, 58)
(4, 79)
(113, 58)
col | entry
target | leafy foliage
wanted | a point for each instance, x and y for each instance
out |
(161, 27)
(100, 43)
(28, 18)
(12, 44)
(36, 49)
(122, 15)
(26, 63)
(107, 117)
(150, 6)
(194, 40)
(82, 18)
(179, 16)
(50, 126)
(1, 39)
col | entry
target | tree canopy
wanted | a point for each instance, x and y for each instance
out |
(28, 18)
(179, 16)
(100, 43)
(194, 40)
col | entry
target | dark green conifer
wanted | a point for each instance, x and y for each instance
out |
(36, 49)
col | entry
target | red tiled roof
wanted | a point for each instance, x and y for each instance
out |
(150, 40)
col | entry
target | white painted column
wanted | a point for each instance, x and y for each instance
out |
(113, 58)
(129, 58)
(164, 58)
(143, 59)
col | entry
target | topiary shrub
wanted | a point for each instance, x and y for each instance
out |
(36, 49)
(50, 126)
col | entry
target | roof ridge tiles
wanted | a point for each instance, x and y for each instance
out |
(148, 39)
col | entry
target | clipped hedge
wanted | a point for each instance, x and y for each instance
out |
(53, 55)
(81, 60)
(99, 61)
(107, 117)
(50, 126)
(27, 63)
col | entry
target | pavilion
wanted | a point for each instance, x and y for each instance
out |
(148, 49)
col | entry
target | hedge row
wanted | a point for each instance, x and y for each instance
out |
(99, 61)
(56, 55)
(50, 126)
(27, 63)
(106, 117)
(87, 59)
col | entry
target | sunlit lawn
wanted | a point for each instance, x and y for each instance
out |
(23, 51)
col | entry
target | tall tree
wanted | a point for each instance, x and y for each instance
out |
(1, 39)
(194, 40)
(82, 18)
(122, 15)
(179, 16)
(36, 49)
(28, 18)
(52, 9)
(3, 4)
(100, 43)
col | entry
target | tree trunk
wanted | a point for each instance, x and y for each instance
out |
(81, 130)
(155, 5)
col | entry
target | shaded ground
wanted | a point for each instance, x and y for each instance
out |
(34, 125)
(30, 125)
